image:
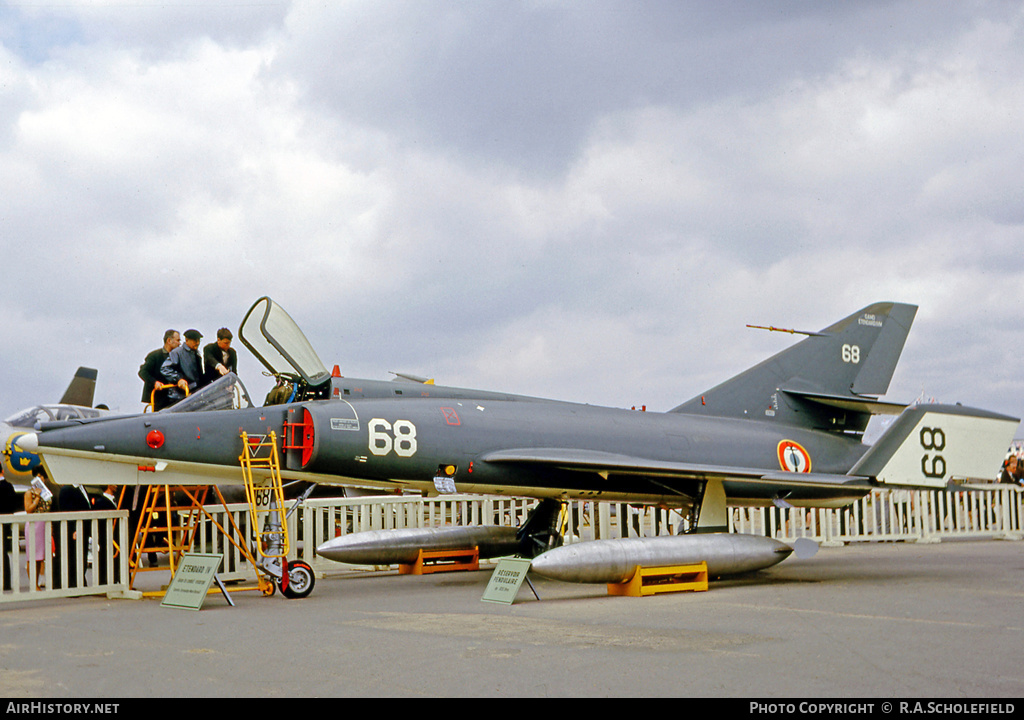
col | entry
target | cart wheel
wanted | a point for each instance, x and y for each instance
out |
(267, 587)
(300, 580)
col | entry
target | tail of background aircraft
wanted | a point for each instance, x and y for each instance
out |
(81, 389)
(828, 381)
(929, 445)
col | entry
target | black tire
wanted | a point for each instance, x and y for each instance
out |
(300, 580)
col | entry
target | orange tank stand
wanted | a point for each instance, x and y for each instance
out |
(432, 561)
(670, 578)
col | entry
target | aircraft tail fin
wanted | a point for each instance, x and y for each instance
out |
(929, 445)
(82, 388)
(828, 381)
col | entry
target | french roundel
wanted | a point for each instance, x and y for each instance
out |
(793, 457)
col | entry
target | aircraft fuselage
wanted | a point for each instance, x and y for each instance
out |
(567, 449)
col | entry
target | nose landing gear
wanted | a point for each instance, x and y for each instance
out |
(300, 580)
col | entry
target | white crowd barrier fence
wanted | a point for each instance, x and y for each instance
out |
(883, 515)
(72, 567)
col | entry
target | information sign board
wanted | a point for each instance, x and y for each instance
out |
(193, 578)
(506, 580)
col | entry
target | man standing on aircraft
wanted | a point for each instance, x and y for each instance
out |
(183, 368)
(149, 371)
(219, 358)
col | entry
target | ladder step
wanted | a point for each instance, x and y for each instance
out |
(277, 537)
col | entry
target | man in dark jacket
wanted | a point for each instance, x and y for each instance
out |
(183, 368)
(71, 498)
(101, 546)
(219, 358)
(149, 371)
(8, 506)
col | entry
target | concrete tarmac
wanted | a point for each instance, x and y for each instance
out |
(882, 620)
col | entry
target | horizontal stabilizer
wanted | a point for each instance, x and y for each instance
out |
(854, 404)
(929, 445)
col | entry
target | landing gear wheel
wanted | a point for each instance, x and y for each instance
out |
(300, 580)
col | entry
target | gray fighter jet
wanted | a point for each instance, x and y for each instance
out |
(787, 431)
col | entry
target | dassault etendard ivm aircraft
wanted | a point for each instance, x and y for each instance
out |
(787, 431)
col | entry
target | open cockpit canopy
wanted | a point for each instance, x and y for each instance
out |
(274, 338)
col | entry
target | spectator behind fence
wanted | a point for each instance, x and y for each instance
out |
(8, 506)
(1013, 471)
(71, 498)
(37, 500)
(105, 501)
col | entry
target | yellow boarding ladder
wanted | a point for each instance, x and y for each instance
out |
(266, 502)
(166, 524)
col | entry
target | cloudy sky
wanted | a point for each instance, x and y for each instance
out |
(581, 200)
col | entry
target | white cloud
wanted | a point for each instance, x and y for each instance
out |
(592, 215)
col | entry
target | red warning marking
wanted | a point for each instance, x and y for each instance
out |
(450, 416)
(259, 447)
(793, 457)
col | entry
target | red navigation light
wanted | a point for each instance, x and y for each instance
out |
(155, 439)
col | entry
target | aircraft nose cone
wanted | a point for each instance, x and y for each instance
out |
(29, 442)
